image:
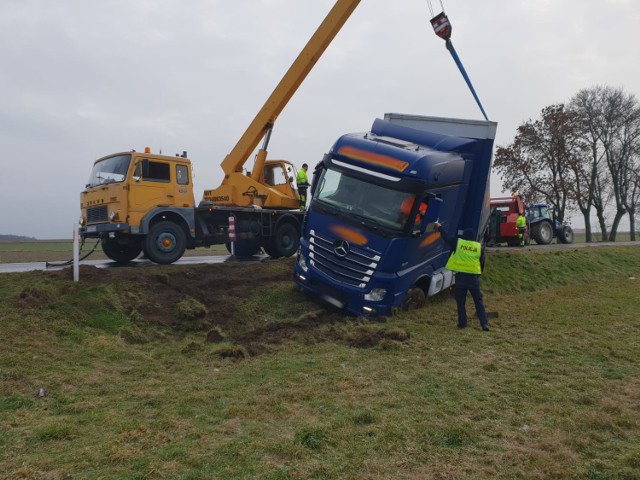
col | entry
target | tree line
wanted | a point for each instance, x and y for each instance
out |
(583, 155)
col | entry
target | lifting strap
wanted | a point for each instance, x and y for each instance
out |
(442, 28)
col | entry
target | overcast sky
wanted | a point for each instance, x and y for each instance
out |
(81, 79)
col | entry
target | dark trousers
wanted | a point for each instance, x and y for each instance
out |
(469, 282)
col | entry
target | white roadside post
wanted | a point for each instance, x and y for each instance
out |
(76, 252)
(232, 233)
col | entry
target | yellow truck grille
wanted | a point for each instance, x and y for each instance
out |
(97, 214)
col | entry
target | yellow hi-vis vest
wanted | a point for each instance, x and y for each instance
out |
(521, 222)
(302, 177)
(466, 257)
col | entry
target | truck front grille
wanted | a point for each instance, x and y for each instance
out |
(343, 262)
(97, 214)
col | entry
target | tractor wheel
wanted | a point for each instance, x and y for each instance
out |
(165, 243)
(566, 234)
(284, 243)
(121, 250)
(542, 233)
(415, 299)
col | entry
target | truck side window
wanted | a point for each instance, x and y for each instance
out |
(182, 176)
(274, 175)
(155, 171)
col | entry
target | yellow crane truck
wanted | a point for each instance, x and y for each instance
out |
(142, 202)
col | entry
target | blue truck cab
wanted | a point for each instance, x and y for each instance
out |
(368, 239)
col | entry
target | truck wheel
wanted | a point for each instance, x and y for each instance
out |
(566, 234)
(165, 243)
(121, 250)
(542, 233)
(415, 299)
(284, 243)
(244, 248)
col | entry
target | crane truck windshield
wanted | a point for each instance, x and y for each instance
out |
(109, 170)
(373, 205)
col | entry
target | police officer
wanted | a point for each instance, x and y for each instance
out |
(303, 185)
(467, 260)
(521, 225)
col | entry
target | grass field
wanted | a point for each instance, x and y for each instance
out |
(551, 392)
(62, 250)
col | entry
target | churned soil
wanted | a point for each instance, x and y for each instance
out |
(254, 306)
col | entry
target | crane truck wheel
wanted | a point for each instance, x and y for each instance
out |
(122, 250)
(566, 234)
(165, 243)
(542, 233)
(284, 242)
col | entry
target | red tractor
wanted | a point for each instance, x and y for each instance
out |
(502, 221)
(542, 227)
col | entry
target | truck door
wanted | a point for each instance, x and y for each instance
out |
(183, 186)
(151, 187)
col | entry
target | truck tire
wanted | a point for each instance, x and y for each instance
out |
(244, 248)
(566, 234)
(165, 243)
(284, 242)
(542, 233)
(121, 250)
(415, 299)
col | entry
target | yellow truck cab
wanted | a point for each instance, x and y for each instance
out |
(128, 193)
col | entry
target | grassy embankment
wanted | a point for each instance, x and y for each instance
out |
(62, 250)
(551, 392)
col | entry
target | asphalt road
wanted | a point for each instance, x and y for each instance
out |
(141, 263)
(27, 267)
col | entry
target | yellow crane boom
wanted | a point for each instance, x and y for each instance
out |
(264, 120)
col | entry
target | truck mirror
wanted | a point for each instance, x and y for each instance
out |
(431, 216)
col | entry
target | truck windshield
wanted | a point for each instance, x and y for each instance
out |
(377, 205)
(109, 170)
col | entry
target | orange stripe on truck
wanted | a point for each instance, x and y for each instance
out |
(349, 235)
(373, 158)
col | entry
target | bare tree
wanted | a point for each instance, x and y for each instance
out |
(537, 164)
(593, 183)
(612, 118)
(629, 139)
(633, 193)
(589, 187)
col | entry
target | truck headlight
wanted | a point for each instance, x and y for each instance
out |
(113, 216)
(375, 295)
(81, 220)
(302, 263)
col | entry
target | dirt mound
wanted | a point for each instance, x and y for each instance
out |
(250, 308)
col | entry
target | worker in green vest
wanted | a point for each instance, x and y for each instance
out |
(467, 260)
(521, 225)
(303, 185)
